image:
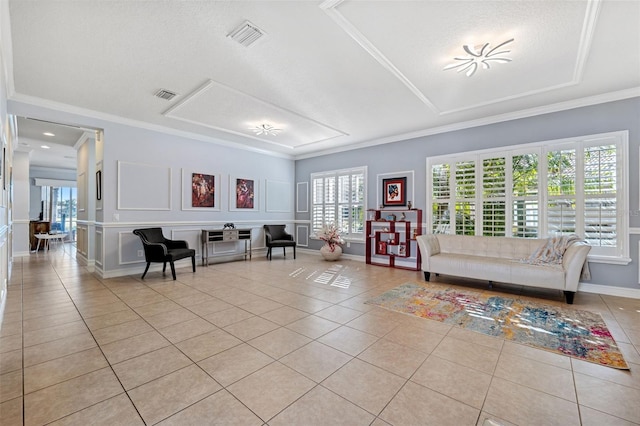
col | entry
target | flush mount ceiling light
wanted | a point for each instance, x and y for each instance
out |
(265, 129)
(479, 55)
(48, 134)
(45, 147)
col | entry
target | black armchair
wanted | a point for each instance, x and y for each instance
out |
(159, 249)
(276, 236)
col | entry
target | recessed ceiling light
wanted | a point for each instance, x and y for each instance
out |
(479, 55)
(48, 134)
(45, 146)
(265, 129)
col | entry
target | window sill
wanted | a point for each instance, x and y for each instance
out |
(609, 259)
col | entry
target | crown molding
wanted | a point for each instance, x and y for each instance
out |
(96, 115)
(515, 115)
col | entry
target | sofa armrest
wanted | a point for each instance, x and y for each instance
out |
(572, 262)
(429, 246)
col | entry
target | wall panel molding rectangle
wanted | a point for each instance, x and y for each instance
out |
(143, 186)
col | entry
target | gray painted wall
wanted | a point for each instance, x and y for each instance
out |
(412, 154)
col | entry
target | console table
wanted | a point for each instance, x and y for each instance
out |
(213, 236)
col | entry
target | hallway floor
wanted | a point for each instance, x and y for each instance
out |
(286, 342)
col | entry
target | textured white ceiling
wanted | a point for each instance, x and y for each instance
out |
(331, 74)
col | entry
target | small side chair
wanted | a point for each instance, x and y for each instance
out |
(157, 248)
(276, 236)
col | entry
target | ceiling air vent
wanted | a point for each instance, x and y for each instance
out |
(167, 95)
(246, 34)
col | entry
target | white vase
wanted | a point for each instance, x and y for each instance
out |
(326, 252)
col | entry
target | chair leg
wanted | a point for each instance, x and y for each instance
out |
(193, 263)
(145, 270)
(294, 252)
(164, 268)
(269, 253)
(284, 251)
(173, 270)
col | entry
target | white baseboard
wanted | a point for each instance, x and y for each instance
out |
(21, 253)
(608, 290)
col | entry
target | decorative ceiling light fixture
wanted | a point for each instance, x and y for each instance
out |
(479, 55)
(265, 129)
(48, 134)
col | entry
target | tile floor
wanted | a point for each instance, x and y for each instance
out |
(286, 342)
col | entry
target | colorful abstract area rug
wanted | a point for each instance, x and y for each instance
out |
(576, 333)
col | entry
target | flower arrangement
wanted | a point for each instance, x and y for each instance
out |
(330, 234)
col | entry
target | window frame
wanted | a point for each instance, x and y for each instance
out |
(336, 174)
(620, 139)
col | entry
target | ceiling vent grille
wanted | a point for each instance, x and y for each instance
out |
(246, 34)
(167, 95)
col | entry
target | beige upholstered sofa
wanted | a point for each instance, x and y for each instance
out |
(499, 259)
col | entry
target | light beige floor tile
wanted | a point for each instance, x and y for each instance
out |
(96, 311)
(10, 343)
(114, 411)
(186, 330)
(356, 379)
(150, 366)
(121, 331)
(525, 406)
(10, 328)
(11, 412)
(608, 397)
(487, 419)
(124, 349)
(477, 338)
(169, 394)
(49, 334)
(456, 381)
(313, 326)
(629, 378)
(251, 328)
(279, 342)
(590, 417)
(50, 320)
(468, 354)
(11, 361)
(203, 346)
(537, 375)
(157, 308)
(348, 340)
(10, 385)
(234, 364)
(269, 390)
(395, 358)
(322, 407)
(209, 307)
(284, 315)
(415, 338)
(540, 355)
(58, 348)
(58, 370)
(373, 324)
(167, 319)
(228, 316)
(60, 400)
(110, 319)
(316, 361)
(221, 408)
(262, 306)
(309, 304)
(417, 405)
(339, 314)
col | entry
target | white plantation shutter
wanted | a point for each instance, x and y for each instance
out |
(465, 188)
(549, 188)
(524, 195)
(494, 206)
(338, 197)
(440, 189)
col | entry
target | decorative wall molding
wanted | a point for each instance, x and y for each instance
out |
(143, 186)
(302, 235)
(278, 196)
(302, 197)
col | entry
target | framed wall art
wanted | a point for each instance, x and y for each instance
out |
(394, 192)
(200, 190)
(244, 194)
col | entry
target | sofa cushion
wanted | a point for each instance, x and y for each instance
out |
(498, 247)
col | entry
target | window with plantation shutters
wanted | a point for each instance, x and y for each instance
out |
(571, 186)
(339, 197)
